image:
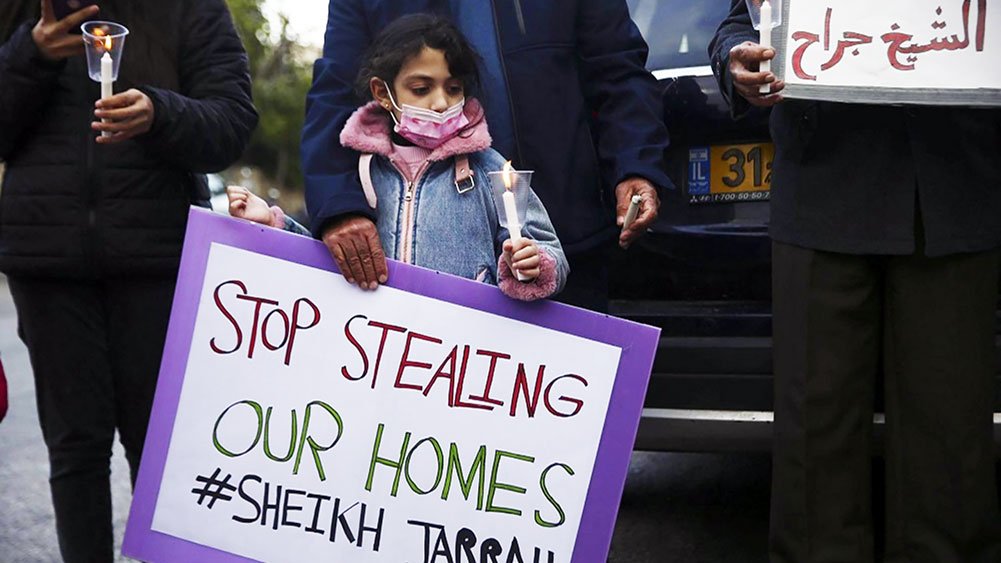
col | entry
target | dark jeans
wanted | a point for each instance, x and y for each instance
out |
(928, 323)
(95, 351)
(587, 284)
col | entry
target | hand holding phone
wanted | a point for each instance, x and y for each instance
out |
(54, 37)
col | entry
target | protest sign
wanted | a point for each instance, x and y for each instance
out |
(298, 418)
(941, 52)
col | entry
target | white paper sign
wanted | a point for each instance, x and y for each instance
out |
(370, 427)
(894, 51)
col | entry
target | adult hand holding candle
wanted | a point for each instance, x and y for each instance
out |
(634, 209)
(766, 15)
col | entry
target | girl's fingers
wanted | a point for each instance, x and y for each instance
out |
(367, 265)
(342, 262)
(354, 264)
(378, 256)
(525, 253)
(527, 263)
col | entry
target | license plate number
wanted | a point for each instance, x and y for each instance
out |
(730, 173)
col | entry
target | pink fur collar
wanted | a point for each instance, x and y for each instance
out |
(368, 131)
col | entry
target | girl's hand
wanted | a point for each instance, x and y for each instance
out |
(246, 205)
(54, 38)
(131, 114)
(523, 257)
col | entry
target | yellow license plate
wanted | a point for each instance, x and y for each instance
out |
(730, 173)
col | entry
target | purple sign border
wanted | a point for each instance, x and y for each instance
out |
(638, 344)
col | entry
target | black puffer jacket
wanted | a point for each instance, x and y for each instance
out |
(71, 208)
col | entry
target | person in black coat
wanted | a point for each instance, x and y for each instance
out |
(91, 228)
(886, 223)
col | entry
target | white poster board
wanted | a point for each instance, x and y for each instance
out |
(298, 418)
(941, 52)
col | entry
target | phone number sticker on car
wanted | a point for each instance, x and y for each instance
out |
(730, 173)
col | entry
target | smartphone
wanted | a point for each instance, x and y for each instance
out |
(63, 8)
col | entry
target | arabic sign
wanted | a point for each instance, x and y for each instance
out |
(298, 418)
(937, 52)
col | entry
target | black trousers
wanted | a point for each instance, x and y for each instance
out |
(587, 284)
(95, 351)
(929, 324)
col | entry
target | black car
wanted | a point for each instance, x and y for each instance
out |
(703, 272)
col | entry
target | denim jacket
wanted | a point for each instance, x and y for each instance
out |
(435, 222)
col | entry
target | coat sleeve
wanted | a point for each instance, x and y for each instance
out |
(26, 82)
(206, 125)
(734, 30)
(632, 137)
(331, 176)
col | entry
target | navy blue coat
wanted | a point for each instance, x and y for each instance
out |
(570, 64)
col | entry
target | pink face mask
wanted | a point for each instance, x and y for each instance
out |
(427, 128)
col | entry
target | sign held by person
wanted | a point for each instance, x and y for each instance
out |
(941, 52)
(298, 418)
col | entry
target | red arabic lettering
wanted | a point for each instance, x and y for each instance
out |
(797, 56)
(851, 40)
(898, 42)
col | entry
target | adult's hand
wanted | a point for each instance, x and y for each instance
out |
(649, 207)
(745, 60)
(54, 38)
(129, 115)
(354, 243)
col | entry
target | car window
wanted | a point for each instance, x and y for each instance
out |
(678, 31)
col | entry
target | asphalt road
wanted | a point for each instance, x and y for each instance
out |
(684, 508)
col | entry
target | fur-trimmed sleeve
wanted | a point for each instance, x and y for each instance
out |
(540, 288)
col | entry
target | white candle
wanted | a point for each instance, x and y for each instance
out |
(513, 225)
(632, 212)
(766, 41)
(107, 83)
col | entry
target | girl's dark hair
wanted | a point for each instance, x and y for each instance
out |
(405, 38)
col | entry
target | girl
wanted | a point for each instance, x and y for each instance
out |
(425, 158)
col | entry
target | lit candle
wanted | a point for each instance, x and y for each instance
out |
(107, 80)
(511, 211)
(766, 41)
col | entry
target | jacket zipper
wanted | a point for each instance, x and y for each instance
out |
(507, 79)
(409, 204)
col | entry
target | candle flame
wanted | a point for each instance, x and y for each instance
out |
(107, 43)
(508, 175)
